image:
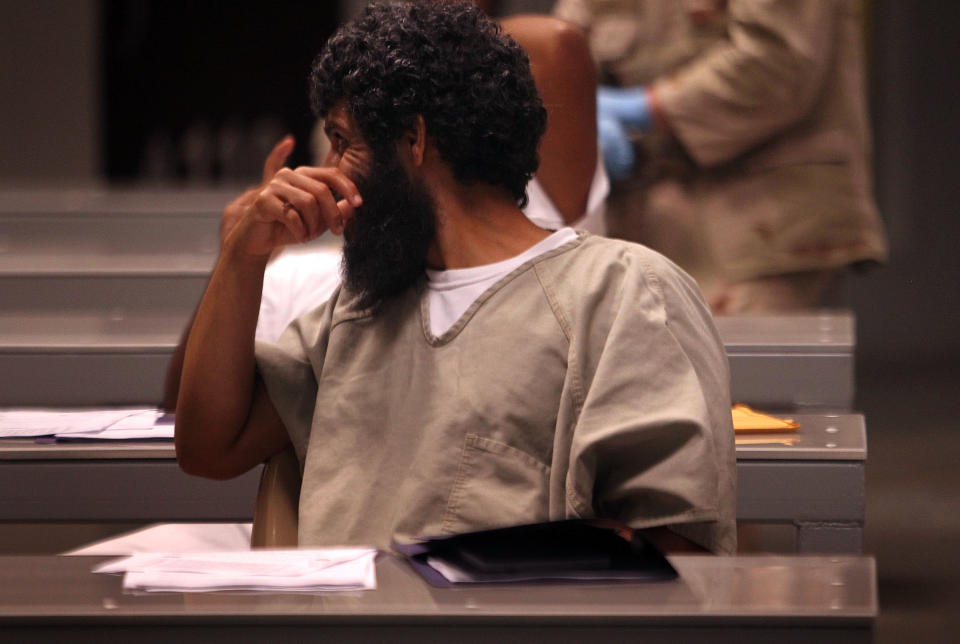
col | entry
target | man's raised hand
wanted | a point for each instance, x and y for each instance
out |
(235, 209)
(292, 206)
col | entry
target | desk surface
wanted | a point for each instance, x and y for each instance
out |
(818, 332)
(29, 449)
(821, 437)
(795, 477)
(771, 589)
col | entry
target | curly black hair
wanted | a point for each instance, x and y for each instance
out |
(449, 63)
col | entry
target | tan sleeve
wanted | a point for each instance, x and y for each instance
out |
(288, 370)
(653, 441)
(763, 78)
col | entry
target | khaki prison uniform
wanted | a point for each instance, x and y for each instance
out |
(588, 382)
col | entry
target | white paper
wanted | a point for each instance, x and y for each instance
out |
(50, 422)
(113, 434)
(450, 572)
(173, 537)
(297, 570)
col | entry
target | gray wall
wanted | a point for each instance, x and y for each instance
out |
(910, 310)
(49, 91)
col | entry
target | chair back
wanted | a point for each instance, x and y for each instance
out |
(275, 517)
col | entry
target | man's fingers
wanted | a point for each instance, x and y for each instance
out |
(306, 201)
(346, 212)
(304, 206)
(294, 221)
(278, 157)
(336, 179)
(333, 213)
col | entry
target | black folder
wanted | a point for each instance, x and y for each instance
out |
(568, 550)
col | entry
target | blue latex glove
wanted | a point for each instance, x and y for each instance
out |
(616, 147)
(630, 106)
(621, 111)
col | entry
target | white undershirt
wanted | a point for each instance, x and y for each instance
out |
(541, 211)
(452, 292)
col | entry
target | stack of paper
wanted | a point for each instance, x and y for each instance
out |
(86, 423)
(329, 569)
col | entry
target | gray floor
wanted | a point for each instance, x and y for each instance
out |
(913, 497)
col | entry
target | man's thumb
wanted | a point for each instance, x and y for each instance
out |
(278, 157)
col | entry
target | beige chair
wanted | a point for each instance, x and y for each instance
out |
(275, 515)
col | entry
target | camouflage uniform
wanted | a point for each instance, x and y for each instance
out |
(766, 176)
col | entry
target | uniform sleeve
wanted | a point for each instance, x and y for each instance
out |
(653, 443)
(289, 369)
(763, 78)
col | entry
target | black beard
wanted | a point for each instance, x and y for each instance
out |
(387, 239)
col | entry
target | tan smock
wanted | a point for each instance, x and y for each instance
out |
(588, 382)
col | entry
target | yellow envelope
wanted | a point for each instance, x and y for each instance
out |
(746, 420)
(767, 440)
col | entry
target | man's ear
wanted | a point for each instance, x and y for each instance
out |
(413, 143)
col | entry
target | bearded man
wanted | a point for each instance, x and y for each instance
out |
(473, 370)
